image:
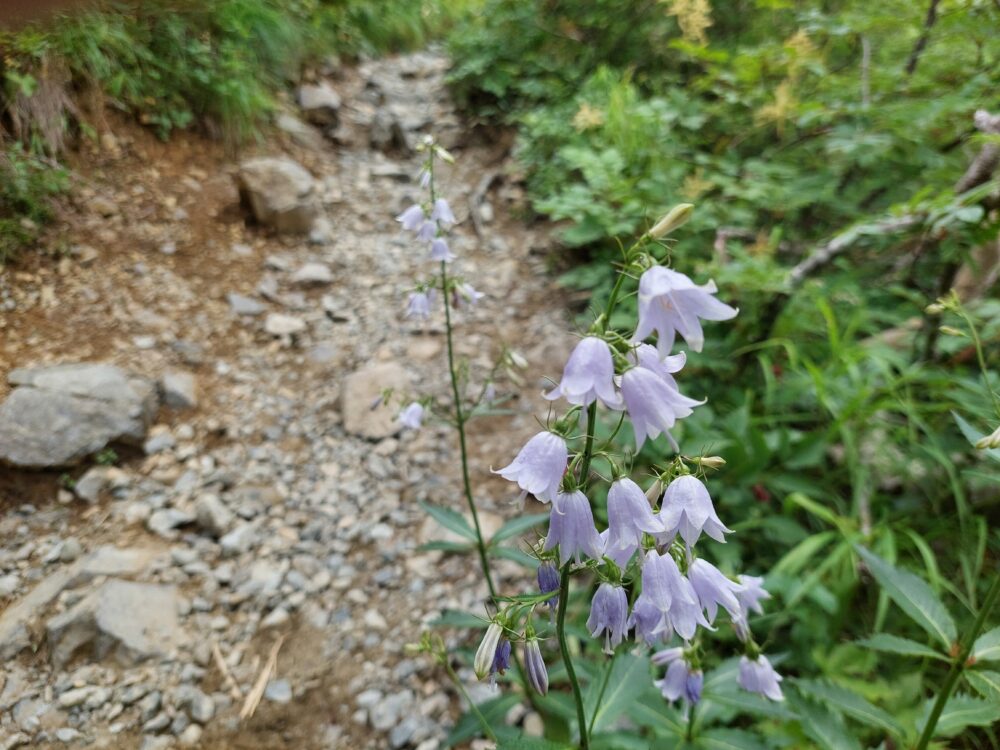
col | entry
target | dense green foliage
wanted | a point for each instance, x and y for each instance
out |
(215, 65)
(844, 416)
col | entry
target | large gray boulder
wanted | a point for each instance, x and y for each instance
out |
(126, 620)
(280, 194)
(58, 415)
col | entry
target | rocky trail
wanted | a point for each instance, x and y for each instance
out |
(199, 502)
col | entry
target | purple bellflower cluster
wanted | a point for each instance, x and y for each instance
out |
(652, 585)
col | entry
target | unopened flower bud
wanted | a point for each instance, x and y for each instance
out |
(935, 308)
(534, 666)
(487, 650)
(655, 491)
(950, 331)
(676, 217)
(712, 462)
(517, 360)
(989, 441)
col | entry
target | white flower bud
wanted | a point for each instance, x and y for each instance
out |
(676, 217)
(989, 441)
(487, 650)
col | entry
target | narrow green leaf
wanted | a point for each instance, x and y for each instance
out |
(963, 711)
(823, 727)
(469, 726)
(660, 717)
(985, 682)
(973, 436)
(523, 742)
(442, 546)
(519, 525)
(893, 644)
(618, 741)
(750, 703)
(800, 555)
(729, 739)
(628, 680)
(987, 646)
(451, 520)
(512, 553)
(913, 596)
(850, 704)
(453, 618)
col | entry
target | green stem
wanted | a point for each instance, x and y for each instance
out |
(460, 426)
(581, 716)
(487, 729)
(958, 664)
(600, 695)
(689, 734)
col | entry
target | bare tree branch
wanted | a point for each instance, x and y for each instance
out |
(918, 48)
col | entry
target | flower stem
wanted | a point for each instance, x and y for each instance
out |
(600, 695)
(689, 734)
(958, 664)
(487, 729)
(581, 716)
(460, 426)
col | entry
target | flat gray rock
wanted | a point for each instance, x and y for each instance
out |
(58, 415)
(280, 193)
(126, 620)
(319, 103)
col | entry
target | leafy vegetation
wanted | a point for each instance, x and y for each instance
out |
(829, 149)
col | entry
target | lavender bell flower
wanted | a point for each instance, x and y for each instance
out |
(609, 613)
(486, 652)
(442, 213)
(427, 231)
(534, 667)
(687, 508)
(589, 375)
(749, 595)
(501, 660)
(440, 250)
(645, 355)
(670, 303)
(629, 515)
(539, 466)
(680, 681)
(621, 557)
(668, 602)
(411, 218)
(419, 305)
(467, 293)
(714, 589)
(758, 676)
(548, 582)
(412, 416)
(653, 405)
(571, 526)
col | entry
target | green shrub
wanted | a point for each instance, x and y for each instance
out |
(27, 186)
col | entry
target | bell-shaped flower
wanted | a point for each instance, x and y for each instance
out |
(442, 213)
(645, 355)
(681, 681)
(501, 660)
(670, 303)
(412, 218)
(486, 653)
(440, 250)
(426, 231)
(647, 620)
(687, 508)
(629, 515)
(548, 582)
(419, 305)
(571, 527)
(751, 592)
(653, 405)
(534, 667)
(621, 556)
(412, 416)
(589, 375)
(466, 294)
(758, 676)
(673, 597)
(714, 589)
(539, 466)
(609, 614)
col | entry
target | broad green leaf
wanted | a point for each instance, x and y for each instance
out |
(750, 703)
(629, 679)
(985, 682)
(618, 741)
(825, 728)
(729, 739)
(973, 436)
(850, 704)
(987, 646)
(493, 710)
(963, 711)
(523, 742)
(441, 546)
(913, 596)
(660, 717)
(894, 644)
(451, 520)
(519, 525)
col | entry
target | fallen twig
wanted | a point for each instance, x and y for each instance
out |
(227, 676)
(260, 685)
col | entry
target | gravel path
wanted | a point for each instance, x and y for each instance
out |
(275, 510)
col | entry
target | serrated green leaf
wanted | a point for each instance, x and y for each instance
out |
(987, 646)
(825, 728)
(986, 682)
(451, 520)
(963, 711)
(850, 704)
(628, 680)
(894, 644)
(729, 739)
(913, 596)
(750, 703)
(519, 525)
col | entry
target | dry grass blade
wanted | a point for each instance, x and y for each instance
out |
(257, 692)
(227, 676)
